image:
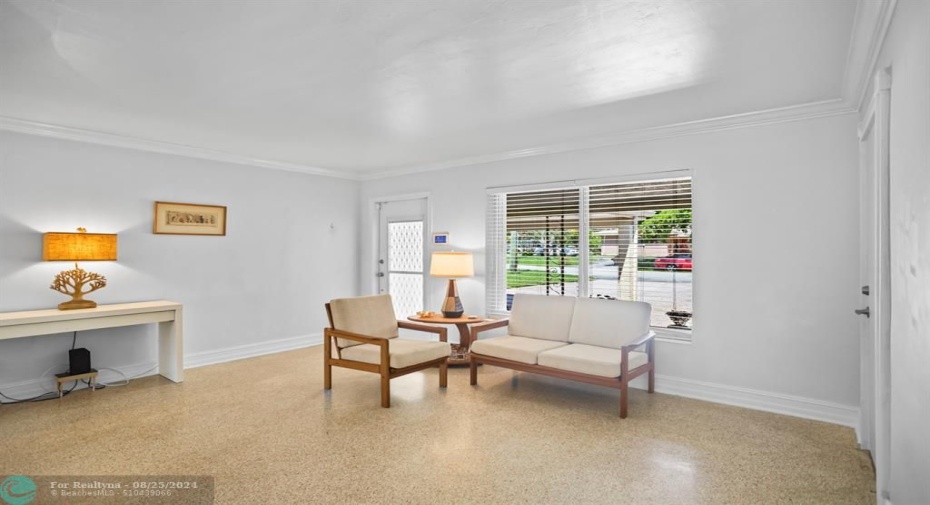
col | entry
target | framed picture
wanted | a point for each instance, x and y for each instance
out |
(189, 219)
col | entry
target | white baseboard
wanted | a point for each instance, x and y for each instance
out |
(718, 393)
(205, 358)
(35, 387)
(760, 400)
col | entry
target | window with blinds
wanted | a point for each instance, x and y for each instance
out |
(625, 241)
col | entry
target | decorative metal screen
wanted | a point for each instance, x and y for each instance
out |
(405, 266)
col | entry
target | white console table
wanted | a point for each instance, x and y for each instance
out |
(166, 314)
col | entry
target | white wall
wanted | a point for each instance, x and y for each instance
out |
(265, 281)
(907, 51)
(782, 327)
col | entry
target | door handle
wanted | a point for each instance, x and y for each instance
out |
(865, 290)
(863, 312)
(380, 274)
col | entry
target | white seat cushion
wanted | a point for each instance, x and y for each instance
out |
(589, 359)
(609, 323)
(403, 352)
(514, 348)
(539, 316)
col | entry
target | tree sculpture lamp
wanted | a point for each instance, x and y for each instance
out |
(452, 265)
(80, 246)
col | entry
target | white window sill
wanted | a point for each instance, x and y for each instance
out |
(673, 336)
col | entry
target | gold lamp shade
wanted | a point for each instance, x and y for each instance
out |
(81, 246)
(452, 265)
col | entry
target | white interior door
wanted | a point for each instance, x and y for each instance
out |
(402, 253)
(875, 268)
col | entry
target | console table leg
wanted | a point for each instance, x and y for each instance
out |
(171, 349)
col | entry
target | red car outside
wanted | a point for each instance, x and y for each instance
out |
(680, 261)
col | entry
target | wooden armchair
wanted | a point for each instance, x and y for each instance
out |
(363, 331)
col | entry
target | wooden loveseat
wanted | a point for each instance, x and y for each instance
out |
(603, 342)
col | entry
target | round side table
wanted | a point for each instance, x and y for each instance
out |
(459, 354)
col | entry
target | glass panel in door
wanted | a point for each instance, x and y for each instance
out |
(405, 266)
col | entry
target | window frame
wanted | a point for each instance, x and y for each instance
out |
(496, 252)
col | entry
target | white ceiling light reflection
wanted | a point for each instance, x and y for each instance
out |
(642, 48)
(508, 60)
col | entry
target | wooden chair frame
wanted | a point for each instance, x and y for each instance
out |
(384, 367)
(621, 383)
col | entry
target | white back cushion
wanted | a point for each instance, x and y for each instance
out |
(540, 316)
(371, 316)
(609, 323)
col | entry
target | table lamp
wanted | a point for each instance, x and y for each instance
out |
(80, 246)
(452, 265)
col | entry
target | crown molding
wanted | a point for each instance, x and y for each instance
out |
(812, 110)
(772, 116)
(155, 146)
(870, 28)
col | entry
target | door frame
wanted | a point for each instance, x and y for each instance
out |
(876, 415)
(374, 230)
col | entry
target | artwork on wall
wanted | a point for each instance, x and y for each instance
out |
(189, 219)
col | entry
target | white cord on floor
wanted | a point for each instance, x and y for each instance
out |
(64, 367)
(126, 379)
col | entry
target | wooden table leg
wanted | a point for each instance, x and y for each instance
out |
(460, 351)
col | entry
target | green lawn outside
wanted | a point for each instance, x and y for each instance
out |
(554, 261)
(535, 278)
(525, 278)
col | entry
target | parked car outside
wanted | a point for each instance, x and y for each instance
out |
(556, 251)
(680, 261)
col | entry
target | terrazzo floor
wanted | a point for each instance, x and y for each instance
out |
(268, 433)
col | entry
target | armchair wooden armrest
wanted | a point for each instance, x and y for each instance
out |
(640, 341)
(355, 337)
(649, 340)
(409, 325)
(487, 325)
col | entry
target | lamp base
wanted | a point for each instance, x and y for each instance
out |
(72, 282)
(452, 304)
(77, 304)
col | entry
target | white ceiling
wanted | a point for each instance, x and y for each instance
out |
(362, 87)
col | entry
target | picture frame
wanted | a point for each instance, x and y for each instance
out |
(173, 218)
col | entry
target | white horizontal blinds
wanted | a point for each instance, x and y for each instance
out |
(641, 244)
(496, 247)
(542, 242)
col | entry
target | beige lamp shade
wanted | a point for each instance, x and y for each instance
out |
(79, 247)
(452, 264)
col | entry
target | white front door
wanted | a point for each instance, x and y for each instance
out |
(875, 269)
(402, 253)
